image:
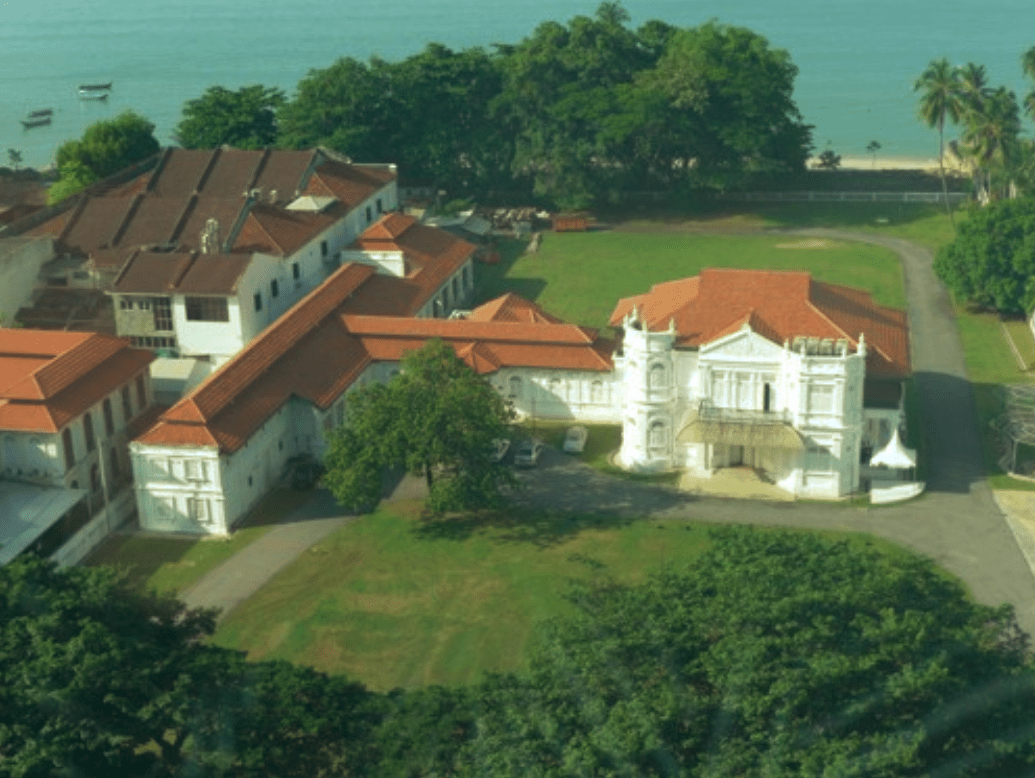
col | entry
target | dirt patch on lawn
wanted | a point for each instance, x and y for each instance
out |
(811, 243)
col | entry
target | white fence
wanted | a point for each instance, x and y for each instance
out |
(851, 197)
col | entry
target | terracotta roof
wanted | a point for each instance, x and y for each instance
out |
(171, 204)
(351, 184)
(432, 255)
(316, 350)
(779, 305)
(49, 378)
(510, 307)
(149, 272)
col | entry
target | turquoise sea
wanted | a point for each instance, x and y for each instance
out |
(857, 60)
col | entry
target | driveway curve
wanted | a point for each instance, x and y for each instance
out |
(957, 523)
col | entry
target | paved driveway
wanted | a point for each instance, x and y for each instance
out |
(957, 523)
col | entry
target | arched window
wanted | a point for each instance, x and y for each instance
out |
(66, 442)
(657, 435)
(88, 431)
(556, 388)
(514, 385)
(658, 376)
(596, 391)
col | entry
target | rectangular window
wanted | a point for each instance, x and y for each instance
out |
(141, 393)
(274, 288)
(821, 398)
(197, 508)
(88, 432)
(323, 249)
(161, 308)
(109, 420)
(380, 207)
(258, 301)
(207, 309)
(720, 389)
(370, 216)
(125, 304)
(296, 271)
(194, 470)
(144, 305)
(66, 440)
(127, 408)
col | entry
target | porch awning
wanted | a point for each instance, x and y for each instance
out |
(894, 454)
(754, 435)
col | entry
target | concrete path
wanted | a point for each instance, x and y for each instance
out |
(957, 523)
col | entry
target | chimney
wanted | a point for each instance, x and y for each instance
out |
(210, 243)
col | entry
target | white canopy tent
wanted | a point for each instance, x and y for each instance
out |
(894, 455)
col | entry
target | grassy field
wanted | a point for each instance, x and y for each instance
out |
(580, 276)
(396, 600)
(174, 564)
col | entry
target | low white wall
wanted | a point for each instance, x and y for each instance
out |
(75, 549)
(896, 493)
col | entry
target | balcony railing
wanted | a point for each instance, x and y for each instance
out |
(709, 412)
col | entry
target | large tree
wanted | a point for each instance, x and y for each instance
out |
(244, 119)
(105, 148)
(775, 653)
(940, 102)
(436, 417)
(991, 263)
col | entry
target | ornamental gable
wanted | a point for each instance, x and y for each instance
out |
(742, 346)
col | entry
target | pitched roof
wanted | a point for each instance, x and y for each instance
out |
(431, 255)
(171, 204)
(49, 378)
(510, 307)
(780, 305)
(317, 349)
(150, 272)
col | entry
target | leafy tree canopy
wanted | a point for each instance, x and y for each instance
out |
(776, 653)
(991, 263)
(244, 119)
(105, 148)
(435, 417)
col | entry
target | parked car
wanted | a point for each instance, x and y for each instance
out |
(528, 452)
(575, 439)
(501, 447)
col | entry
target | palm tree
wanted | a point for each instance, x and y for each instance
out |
(992, 132)
(940, 100)
(1028, 66)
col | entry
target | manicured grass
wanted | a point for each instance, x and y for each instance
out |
(393, 600)
(174, 564)
(581, 276)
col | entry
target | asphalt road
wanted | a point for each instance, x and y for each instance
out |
(956, 523)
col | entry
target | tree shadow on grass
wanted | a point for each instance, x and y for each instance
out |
(540, 529)
(140, 557)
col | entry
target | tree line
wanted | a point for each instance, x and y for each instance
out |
(572, 115)
(774, 653)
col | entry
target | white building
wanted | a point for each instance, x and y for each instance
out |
(69, 403)
(729, 368)
(211, 456)
(201, 253)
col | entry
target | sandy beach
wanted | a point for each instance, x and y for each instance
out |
(868, 162)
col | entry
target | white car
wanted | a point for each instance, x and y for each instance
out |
(500, 448)
(575, 439)
(528, 452)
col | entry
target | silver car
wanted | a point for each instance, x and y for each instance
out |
(528, 452)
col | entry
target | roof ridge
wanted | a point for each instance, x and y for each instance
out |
(822, 314)
(207, 170)
(127, 217)
(276, 339)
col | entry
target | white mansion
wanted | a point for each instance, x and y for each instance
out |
(775, 370)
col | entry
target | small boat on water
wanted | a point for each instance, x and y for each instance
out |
(41, 112)
(37, 121)
(94, 87)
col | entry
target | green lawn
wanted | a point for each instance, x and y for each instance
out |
(395, 600)
(580, 276)
(174, 564)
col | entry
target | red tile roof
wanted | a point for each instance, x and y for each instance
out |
(510, 307)
(49, 378)
(171, 204)
(779, 305)
(432, 255)
(317, 349)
